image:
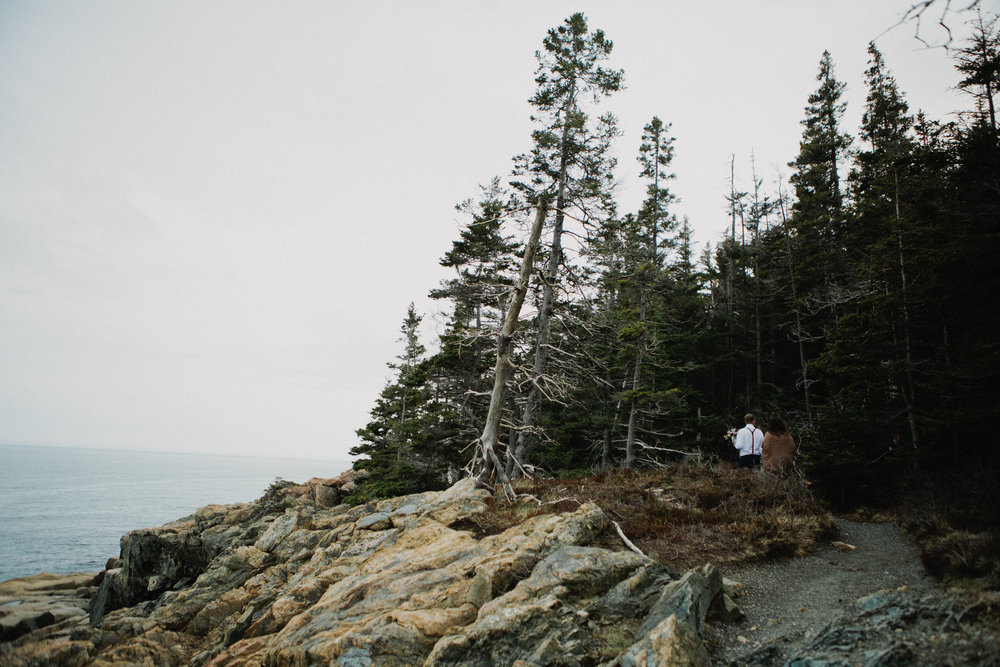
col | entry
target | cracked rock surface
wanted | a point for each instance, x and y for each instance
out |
(291, 581)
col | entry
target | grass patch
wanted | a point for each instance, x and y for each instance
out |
(684, 515)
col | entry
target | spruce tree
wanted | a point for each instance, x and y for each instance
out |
(892, 355)
(818, 211)
(979, 62)
(484, 259)
(643, 269)
(391, 440)
(656, 152)
(870, 358)
(817, 225)
(570, 160)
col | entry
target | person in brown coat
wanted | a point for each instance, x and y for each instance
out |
(778, 448)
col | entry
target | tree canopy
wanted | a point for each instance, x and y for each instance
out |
(859, 306)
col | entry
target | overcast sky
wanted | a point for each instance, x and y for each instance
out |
(214, 214)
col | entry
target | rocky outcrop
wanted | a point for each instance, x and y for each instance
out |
(290, 580)
(30, 603)
(894, 627)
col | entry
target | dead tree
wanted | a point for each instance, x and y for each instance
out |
(505, 344)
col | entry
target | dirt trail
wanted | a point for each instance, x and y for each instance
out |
(794, 607)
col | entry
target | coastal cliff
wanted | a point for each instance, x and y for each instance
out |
(297, 579)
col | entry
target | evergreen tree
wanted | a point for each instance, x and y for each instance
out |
(818, 222)
(862, 313)
(796, 333)
(391, 440)
(643, 269)
(966, 202)
(870, 358)
(571, 160)
(484, 261)
(817, 213)
(655, 155)
(979, 62)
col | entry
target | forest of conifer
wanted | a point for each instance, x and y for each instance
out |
(859, 304)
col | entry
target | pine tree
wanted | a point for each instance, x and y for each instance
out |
(817, 213)
(961, 166)
(483, 259)
(797, 333)
(817, 226)
(391, 441)
(570, 159)
(870, 359)
(643, 267)
(655, 155)
(979, 62)
(484, 262)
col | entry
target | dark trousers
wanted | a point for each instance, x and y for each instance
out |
(749, 461)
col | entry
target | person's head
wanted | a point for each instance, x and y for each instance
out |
(777, 426)
(749, 418)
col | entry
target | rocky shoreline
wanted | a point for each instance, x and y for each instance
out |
(297, 579)
(289, 580)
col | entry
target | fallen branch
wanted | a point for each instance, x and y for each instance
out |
(627, 541)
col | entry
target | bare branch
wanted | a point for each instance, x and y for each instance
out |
(645, 446)
(915, 15)
(627, 541)
(528, 496)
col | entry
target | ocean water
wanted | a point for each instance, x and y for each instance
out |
(63, 509)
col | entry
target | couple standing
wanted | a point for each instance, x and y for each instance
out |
(776, 449)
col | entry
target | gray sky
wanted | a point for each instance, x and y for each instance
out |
(214, 214)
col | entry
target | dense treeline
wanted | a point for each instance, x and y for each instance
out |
(861, 306)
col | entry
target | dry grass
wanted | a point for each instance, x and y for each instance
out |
(684, 515)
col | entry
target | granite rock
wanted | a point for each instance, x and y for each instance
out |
(289, 580)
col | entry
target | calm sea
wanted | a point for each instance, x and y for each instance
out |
(64, 509)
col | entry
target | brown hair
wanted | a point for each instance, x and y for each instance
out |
(777, 426)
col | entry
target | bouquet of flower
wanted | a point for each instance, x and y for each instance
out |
(731, 435)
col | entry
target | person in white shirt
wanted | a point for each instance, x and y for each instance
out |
(748, 442)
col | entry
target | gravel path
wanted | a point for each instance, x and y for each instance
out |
(788, 604)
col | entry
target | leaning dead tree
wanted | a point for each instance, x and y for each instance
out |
(505, 344)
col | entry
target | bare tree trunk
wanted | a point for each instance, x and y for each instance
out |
(399, 427)
(987, 79)
(522, 454)
(606, 447)
(404, 375)
(633, 415)
(728, 288)
(492, 427)
(755, 241)
(993, 113)
(909, 392)
(798, 317)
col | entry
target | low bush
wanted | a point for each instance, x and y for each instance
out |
(684, 515)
